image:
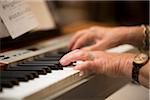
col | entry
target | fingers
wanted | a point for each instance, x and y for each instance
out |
(75, 37)
(74, 56)
(87, 65)
(82, 40)
(92, 34)
(100, 45)
(91, 48)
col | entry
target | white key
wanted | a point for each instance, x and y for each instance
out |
(25, 89)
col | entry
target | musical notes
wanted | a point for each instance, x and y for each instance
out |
(17, 16)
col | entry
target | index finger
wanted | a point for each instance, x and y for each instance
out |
(75, 37)
(74, 56)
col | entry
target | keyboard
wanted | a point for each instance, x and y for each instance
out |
(34, 72)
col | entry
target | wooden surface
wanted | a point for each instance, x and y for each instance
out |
(74, 27)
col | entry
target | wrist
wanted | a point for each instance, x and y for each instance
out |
(129, 34)
(145, 41)
(135, 35)
(126, 64)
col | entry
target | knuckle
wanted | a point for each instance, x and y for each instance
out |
(83, 54)
(94, 27)
(82, 31)
(78, 33)
(89, 64)
(77, 50)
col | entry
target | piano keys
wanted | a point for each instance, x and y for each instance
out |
(23, 71)
(49, 77)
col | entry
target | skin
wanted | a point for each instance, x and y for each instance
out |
(110, 64)
(98, 61)
(107, 37)
(101, 62)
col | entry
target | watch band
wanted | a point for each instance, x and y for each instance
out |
(146, 39)
(135, 72)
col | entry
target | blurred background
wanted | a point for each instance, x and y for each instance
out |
(106, 12)
(74, 15)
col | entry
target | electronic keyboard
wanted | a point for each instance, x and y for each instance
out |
(34, 72)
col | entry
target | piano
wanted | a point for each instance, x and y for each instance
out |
(33, 72)
(39, 64)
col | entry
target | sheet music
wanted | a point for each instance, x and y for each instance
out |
(17, 17)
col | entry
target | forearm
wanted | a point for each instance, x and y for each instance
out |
(126, 64)
(133, 35)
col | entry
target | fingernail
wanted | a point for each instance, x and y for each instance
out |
(62, 62)
(75, 68)
(81, 73)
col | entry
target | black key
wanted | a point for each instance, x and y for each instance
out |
(11, 74)
(29, 75)
(47, 59)
(13, 81)
(7, 84)
(37, 69)
(23, 79)
(35, 64)
(5, 58)
(52, 66)
(55, 67)
(43, 62)
(63, 52)
(20, 77)
(1, 88)
(48, 69)
(2, 56)
(57, 55)
(57, 63)
(33, 73)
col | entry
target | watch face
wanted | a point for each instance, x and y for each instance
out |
(141, 58)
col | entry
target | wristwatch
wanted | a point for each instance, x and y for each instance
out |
(139, 61)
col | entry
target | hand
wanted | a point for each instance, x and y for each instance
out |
(110, 64)
(106, 37)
